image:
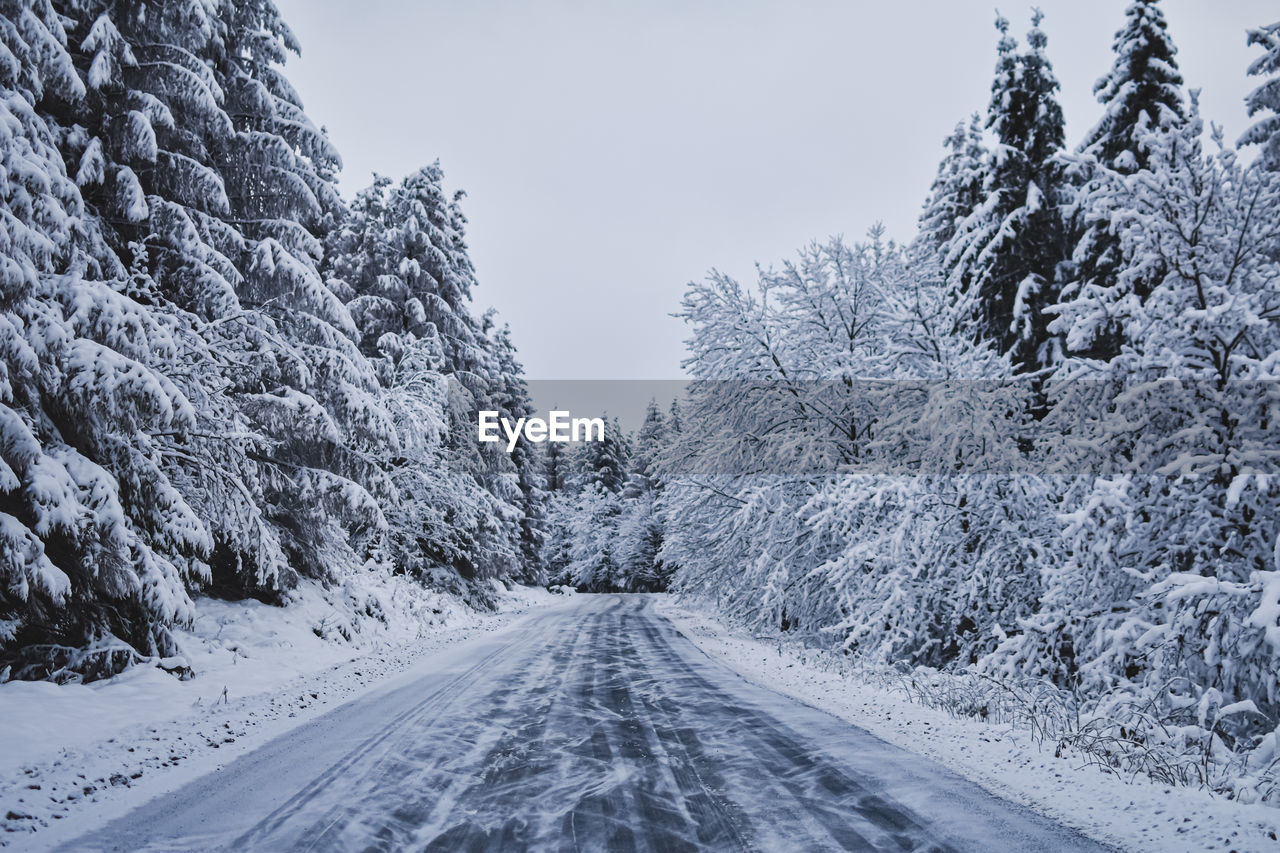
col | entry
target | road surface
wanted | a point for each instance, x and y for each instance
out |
(593, 725)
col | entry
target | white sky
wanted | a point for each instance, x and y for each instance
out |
(613, 150)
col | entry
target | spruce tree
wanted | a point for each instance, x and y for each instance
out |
(555, 467)
(214, 187)
(186, 403)
(399, 256)
(1265, 99)
(650, 439)
(640, 528)
(1141, 92)
(401, 250)
(97, 541)
(509, 395)
(1004, 257)
(604, 463)
(675, 422)
(957, 189)
(323, 487)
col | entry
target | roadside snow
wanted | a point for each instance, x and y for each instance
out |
(94, 751)
(1137, 815)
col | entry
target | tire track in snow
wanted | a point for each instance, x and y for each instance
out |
(592, 726)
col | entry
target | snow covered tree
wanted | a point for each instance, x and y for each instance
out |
(189, 406)
(639, 526)
(935, 540)
(403, 253)
(605, 531)
(854, 470)
(649, 439)
(1170, 570)
(558, 541)
(593, 564)
(604, 463)
(509, 395)
(556, 467)
(640, 535)
(1004, 257)
(1142, 90)
(399, 255)
(325, 425)
(213, 184)
(442, 520)
(96, 542)
(957, 189)
(115, 145)
(1265, 132)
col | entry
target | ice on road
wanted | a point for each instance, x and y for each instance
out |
(592, 725)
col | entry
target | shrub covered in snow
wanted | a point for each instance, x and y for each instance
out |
(1059, 505)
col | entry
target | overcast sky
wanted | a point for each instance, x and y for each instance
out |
(613, 151)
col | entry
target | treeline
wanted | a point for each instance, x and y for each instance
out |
(1076, 478)
(215, 375)
(604, 531)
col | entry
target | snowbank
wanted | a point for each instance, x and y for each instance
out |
(259, 670)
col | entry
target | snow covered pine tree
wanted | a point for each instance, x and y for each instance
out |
(1143, 90)
(191, 406)
(97, 541)
(1265, 99)
(1003, 259)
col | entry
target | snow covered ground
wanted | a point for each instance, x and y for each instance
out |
(89, 751)
(596, 706)
(1137, 815)
(592, 725)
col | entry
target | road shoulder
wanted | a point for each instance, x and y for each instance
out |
(63, 791)
(1138, 815)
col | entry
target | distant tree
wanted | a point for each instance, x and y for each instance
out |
(675, 425)
(556, 466)
(592, 540)
(640, 537)
(649, 439)
(604, 463)
(604, 528)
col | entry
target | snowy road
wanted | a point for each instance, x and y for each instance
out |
(588, 726)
